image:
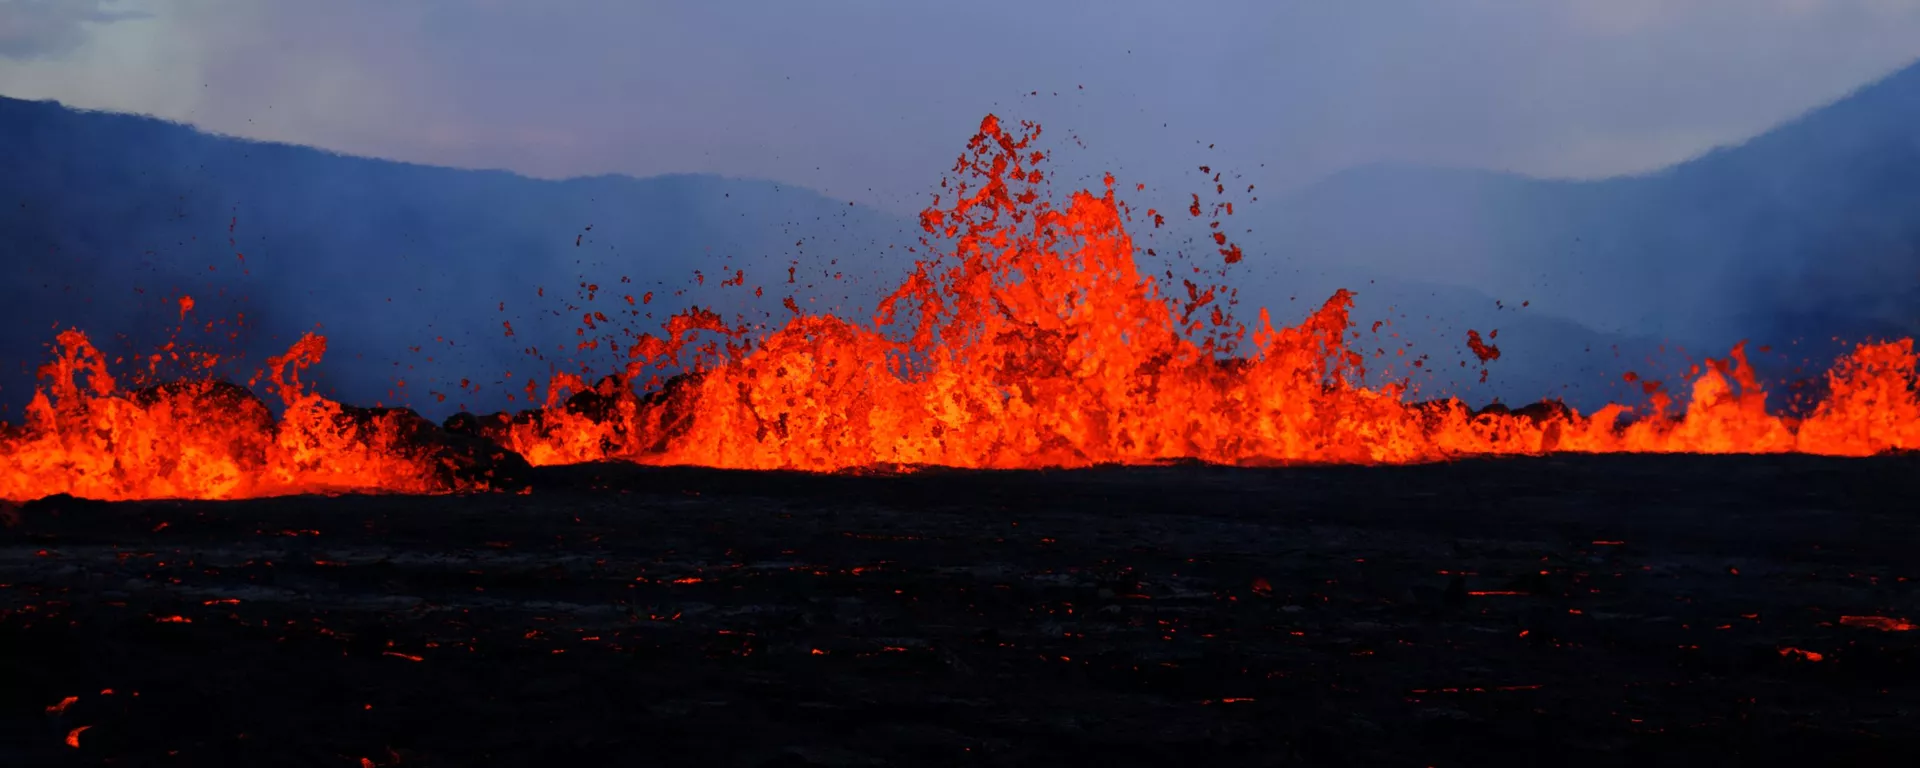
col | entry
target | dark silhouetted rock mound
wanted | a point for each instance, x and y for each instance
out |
(1544, 410)
(462, 459)
(602, 402)
(200, 400)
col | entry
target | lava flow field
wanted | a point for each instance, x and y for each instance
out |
(1581, 610)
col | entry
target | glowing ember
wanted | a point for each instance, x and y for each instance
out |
(1037, 343)
(1881, 623)
(1801, 655)
(1032, 341)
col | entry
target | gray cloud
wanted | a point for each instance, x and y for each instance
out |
(45, 28)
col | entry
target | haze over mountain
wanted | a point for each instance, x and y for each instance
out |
(108, 217)
(1806, 232)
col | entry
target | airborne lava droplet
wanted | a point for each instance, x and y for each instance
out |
(1480, 348)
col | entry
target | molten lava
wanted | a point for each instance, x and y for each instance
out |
(206, 439)
(1039, 344)
(1033, 341)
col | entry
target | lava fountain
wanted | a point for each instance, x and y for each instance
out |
(1036, 342)
(1029, 339)
(87, 436)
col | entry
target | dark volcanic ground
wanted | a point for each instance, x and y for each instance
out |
(1590, 610)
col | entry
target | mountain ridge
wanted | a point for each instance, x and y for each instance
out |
(108, 214)
(1807, 230)
(112, 204)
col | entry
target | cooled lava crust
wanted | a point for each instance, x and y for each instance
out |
(1566, 610)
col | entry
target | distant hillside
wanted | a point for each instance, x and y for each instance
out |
(105, 216)
(1808, 231)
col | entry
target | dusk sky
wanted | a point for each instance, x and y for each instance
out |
(871, 99)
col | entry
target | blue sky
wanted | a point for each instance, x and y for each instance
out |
(871, 99)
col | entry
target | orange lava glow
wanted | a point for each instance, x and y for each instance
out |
(1031, 340)
(86, 436)
(1881, 623)
(1038, 343)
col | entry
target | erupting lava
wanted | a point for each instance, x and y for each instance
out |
(1033, 342)
(1041, 345)
(208, 439)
